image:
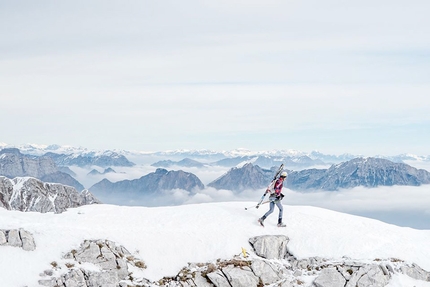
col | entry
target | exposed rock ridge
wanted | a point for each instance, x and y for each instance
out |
(270, 263)
(31, 194)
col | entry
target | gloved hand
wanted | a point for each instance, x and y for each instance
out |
(279, 196)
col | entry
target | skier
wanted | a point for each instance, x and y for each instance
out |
(275, 198)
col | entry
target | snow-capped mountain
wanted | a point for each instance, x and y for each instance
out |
(207, 245)
(104, 159)
(186, 162)
(368, 172)
(82, 156)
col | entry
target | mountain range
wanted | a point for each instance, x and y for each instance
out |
(367, 172)
(244, 175)
(15, 164)
(205, 156)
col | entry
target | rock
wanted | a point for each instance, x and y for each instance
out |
(240, 276)
(270, 246)
(3, 240)
(111, 259)
(18, 238)
(415, 272)
(27, 239)
(218, 279)
(330, 277)
(200, 281)
(369, 275)
(31, 194)
(13, 238)
(74, 278)
(267, 272)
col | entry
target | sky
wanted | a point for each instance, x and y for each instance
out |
(195, 235)
(334, 76)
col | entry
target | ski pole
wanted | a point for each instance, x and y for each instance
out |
(267, 201)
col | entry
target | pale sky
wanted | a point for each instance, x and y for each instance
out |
(334, 76)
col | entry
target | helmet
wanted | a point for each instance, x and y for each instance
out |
(284, 174)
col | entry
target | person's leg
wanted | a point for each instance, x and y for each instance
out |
(281, 211)
(272, 207)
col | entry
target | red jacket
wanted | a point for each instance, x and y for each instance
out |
(276, 187)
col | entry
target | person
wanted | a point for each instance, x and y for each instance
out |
(275, 198)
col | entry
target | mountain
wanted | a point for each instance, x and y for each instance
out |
(207, 245)
(205, 155)
(151, 183)
(186, 162)
(62, 178)
(367, 172)
(266, 161)
(248, 176)
(105, 159)
(15, 164)
(96, 172)
(31, 194)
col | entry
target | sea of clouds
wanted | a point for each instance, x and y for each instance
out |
(407, 206)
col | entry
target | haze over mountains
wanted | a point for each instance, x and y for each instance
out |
(368, 172)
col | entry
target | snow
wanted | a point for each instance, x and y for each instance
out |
(167, 238)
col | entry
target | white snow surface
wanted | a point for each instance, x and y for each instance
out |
(167, 238)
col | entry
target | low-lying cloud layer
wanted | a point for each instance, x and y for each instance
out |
(401, 205)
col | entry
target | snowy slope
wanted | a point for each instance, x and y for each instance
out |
(166, 238)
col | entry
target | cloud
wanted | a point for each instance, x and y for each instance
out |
(400, 205)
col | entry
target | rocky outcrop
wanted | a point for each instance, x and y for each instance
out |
(270, 246)
(108, 266)
(17, 238)
(151, 183)
(31, 194)
(103, 263)
(283, 269)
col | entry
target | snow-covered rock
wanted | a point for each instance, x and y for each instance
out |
(31, 194)
(17, 238)
(270, 247)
